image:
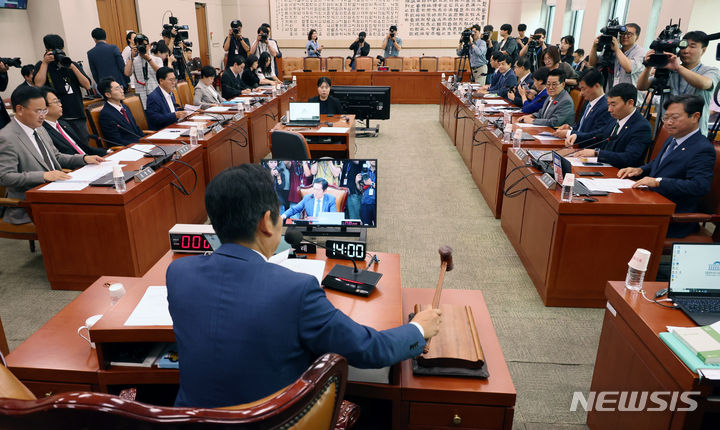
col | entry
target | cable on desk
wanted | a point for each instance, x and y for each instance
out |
(508, 175)
(475, 136)
(655, 300)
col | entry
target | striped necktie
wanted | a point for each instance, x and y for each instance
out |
(670, 148)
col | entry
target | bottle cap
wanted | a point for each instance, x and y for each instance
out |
(117, 171)
(569, 180)
(640, 259)
(116, 290)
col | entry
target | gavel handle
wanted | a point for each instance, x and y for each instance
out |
(436, 298)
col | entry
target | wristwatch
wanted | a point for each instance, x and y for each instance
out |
(597, 152)
(657, 180)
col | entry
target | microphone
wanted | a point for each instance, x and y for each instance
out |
(96, 137)
(143, 138)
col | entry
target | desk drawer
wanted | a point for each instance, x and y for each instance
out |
(453, 416)
(45, 389)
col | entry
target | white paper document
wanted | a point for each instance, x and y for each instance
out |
(200, 118)
(125, 155)
(192, 123)
(64, 186)
(578, 162)
(191, 108)
(90, 172)
(168, 133)
(546, 135)
(523, 125)
(315, 268)
(332, 130)
(218, 109)
(495, 102)
(608, 185)
(152, 308)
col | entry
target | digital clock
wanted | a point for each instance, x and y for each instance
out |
(193, 238)
(345, 249)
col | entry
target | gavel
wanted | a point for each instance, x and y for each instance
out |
(446, 265)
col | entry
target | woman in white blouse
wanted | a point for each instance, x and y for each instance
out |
(264, 70)
(205, 93)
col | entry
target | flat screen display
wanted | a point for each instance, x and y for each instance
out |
(304, 112)
(326, 193)
(695, 269)
(13, 4)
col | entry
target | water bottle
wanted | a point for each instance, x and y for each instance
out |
(119, 179)
(117, 291)
(442, 77)
(480, 111)
(636, 269)
(567, 188)
(517, 138)
(507, 117)
(294, 80)
(193, 136)
(507, 135)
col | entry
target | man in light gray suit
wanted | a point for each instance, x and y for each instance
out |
(27, 155)
(558, 108)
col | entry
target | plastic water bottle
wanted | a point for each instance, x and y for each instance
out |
(119, 179)
(480, 108)
(294, 80)
(567, 188)
(117, 291)
(193, 136)
(442, 77)
(507, 135)
(517, 138)
(507, 118)
(636, 269)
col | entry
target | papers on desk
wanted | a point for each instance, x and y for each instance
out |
(490, 95)
(168, 133)
(192, 123)
(191, 108)
(332, 129)
(546, 135)
(495, 102)
(64, 186)
(91, 172)
(125, 155)
(578, 162)
(200, 118)
(523, 125)
(218, 109)
(609, 185)
(152, 309)
(315, 268)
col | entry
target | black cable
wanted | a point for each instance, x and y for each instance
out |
(474, 139)
(507, 192)
(180, 186)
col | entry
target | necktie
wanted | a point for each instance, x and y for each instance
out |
(70, 141)
(549, 102)
(316, 209)
(122, 111)
(671, 147)
(615, 130)
(43, 152)
(587, 111)
(172, 96)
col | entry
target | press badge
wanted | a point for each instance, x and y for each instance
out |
(68, 88)
(371, 191)
(345, 181)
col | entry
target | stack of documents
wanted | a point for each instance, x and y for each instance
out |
(609, 185)
(168, 133)
(81, 177)
(152, 309)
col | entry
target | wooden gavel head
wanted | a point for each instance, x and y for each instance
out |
(446, 256)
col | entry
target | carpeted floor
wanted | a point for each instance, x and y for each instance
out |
(426, 198)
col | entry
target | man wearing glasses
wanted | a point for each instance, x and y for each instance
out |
(27, 155)
(162, 108)
(558, 108)
(628, 57)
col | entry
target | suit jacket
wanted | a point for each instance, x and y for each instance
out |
(158, 112)
(687, 174)
(528, 80)
(22, 166)
(560, 111)
(110, 122)
(307, 204)
(511, 47)
(64, 146)
(596, 119)
(232, 86)
(4, 116)
(203, 95)
(237, 317)
(628, 149)
(503, 83)
(106, 61)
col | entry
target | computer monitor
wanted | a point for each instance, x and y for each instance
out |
(324, 193)
(365, 102)
(695, 269)
(13, 4)
(304, 112)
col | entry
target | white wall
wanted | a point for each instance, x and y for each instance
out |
(703, 18)
(14, 26)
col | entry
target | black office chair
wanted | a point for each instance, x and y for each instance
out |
(288, 145)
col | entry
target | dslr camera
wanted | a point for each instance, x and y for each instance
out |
(393, 30)
(11, 62)
(669, 41)
(466, 36)
(61, 58)
(264, 36)
(534, 42)
(235, 25)
(141, 42)
(612, 29)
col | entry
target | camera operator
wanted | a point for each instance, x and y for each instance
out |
(65, 76)
(539, 39)
(392, 44)
(522, 40)
(507, 44)
(235, 43)
(4, 116)
(478, 60)
(360, 48)
(263, 43)
(143, 66)
(628, 57)
(688, 76)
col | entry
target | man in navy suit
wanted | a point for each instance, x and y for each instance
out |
(162, 108)
(105, 59)
(116, 121)
(245, 328)
(623, 142)
(683, 170)
(507, 78)
(524, 79)
(62, 134)
(595, 115)
(315, 203)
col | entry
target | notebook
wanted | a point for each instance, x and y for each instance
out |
(695, 281)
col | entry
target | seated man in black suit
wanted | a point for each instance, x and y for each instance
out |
(623, 142)
(595, 116)
(62, 134)
(232, 83)
(524, 78)
(162, 108)
(683, 169)
(116, 121)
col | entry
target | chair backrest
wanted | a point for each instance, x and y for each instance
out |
(4, 349)
(186, 93)
(93, 114)
(429, 64)
(710, 204)
(395, 64)
(312, 64)
(312, 402)
(135, 104)
(340, 194)
(577, 99)
(410, 64)
(288, 145)
(457, 64)
(335, 64)
(660, 138)
(290, 65)
(445, 64)
(364, 64)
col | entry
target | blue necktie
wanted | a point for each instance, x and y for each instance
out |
(172, 96)
(671, 147)
(587, 111)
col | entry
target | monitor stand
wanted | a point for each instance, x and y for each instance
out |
(311, 231)
(367, 131)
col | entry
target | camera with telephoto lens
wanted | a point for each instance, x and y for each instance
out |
(141, 42)
(11, 62)
(466, 36)
(61, 58)
(612, 29)
(235, 25)
(181, 35)
(669, 41)
(393, 30)
(534, 42)
(264, 36)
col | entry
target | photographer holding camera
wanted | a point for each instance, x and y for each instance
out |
(534, 48)
(392, 44)
(66, 77)
(264, 43)
(360, 48)
(688, 76)
(477, 49)
(235, 44)
(628, 56)
(143, 66)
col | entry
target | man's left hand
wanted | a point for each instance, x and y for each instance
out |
(93, 159)
(585, 152)
(647, 182)
(672, 63)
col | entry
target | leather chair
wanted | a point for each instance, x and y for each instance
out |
(335, 64)
(93, 118)
(364, 64)
(660, 138)
(467, 72)
(445, 64)
(288, 145)
(578, 102)
(136, 107)
(314, 401)
(410, 64)
(395, 64)
(428, 64)
(185, 91)
(312, 64)
(17, 231)
(340, 194)
(291, 65)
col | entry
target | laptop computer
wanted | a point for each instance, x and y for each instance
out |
(304, 115)
(695, 280)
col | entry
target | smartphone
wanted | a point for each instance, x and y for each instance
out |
(590, 174)
(592, 164)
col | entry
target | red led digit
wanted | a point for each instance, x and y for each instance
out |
(206, 244)
(185, 242)
(196, 242)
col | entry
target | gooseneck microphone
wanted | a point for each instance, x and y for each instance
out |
(143, 138)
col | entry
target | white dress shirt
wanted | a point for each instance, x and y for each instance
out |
(31, 136)
(168, 99)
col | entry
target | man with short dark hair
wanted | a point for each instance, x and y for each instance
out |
(116, 120)
(524, 80)
(558, 108)
(265, 43)
(105, 59)
(506, 77)
(359, 48)
(263, 323)
(143, 67)
(162, 108)
(235, 44)
(63, 136)
(4, 116)
(28, 73)
(522, 40)
(507, 44)
(313, 204)
(595, 116)
(478, 60)
(539, 36)
(231, 80)
(579, 63)
(683, 169)
(27, 155)
(628, 57)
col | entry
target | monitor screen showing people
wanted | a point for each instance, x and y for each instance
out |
(326, 192)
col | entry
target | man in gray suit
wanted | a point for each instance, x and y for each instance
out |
(558, 108)
(27, 155)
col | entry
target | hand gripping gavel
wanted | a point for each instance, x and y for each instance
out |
(446, 265)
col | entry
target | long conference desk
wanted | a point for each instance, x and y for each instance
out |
(569, 250)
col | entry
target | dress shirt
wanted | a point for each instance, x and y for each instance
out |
(591, 105)
(74, 144)
(31, 135)
(168, 99)
(680, 140)
(118, 107)
(621, 122)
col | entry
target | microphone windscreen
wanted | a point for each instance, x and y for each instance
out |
(293, 236)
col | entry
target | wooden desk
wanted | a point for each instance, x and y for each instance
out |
(631, 357)
(85, 234)
(571, 249)
(342, 150)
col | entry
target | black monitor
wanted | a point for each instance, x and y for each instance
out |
(365, 102)
(13, 4)
(344, 204)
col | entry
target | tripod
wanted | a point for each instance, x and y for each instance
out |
(713, 131)
(659, 87)
(464, 60)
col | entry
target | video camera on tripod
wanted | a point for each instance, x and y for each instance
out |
(465, 40)
(181, 36)
(605, 42)
(669, 41)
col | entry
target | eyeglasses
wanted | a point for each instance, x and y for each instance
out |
(40, 111)
(554, 84)
(172, 79)
(671, 118)
(627, 34)
(55, 102)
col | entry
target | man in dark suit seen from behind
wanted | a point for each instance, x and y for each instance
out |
(105, 59)
(63, 136)
(683, 169)
(162, 108)
(232, 83)
(264, 324)
(622, 142)
(595, 115)
(116, 120)
(524, 79)
(4, 116)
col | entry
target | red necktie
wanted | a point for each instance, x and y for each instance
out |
(122, 111)
(77, 148)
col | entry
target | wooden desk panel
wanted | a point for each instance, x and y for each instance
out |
(346, 149)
